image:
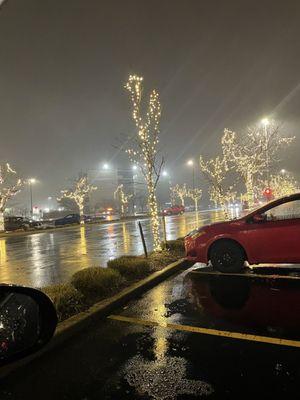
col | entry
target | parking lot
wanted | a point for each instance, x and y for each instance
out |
(197, 334)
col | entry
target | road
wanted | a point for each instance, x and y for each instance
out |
(52, 257)
(183, 339)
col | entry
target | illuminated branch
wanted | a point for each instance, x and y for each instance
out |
(281, 185)
(179, 191)
(144, 146)
(122, 199)
(10, 185)
(195, 195)
(253, 153)
(215, 172)
(79, 193)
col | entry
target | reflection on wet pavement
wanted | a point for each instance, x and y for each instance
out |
(116, 360)
(268, 304)
(52, 257)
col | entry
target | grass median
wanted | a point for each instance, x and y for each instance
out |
(93, 284)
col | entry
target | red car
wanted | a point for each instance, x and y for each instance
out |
(270, 234)
(174, 210)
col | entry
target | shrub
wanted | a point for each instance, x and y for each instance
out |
(66, 299)
(96, 282)
(176, 245)
(131, 267)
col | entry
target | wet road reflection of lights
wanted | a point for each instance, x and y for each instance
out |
(47, 258)
(2, 251)
(163, 378)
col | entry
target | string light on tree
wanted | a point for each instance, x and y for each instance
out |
(144, 146)
(181, 192)
(195, 194)
(79, 193)
(253, 153)
(216, 172)
(281, 185)
(122, 199)
(10, 185)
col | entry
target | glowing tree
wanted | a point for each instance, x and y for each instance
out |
(253, 153)
(180, 191)
(281, 185)
(79, 193)
(10, 185)
(144, 146)
(195, 194)
(122, 199)
(216, 171)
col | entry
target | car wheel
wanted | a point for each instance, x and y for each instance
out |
(227, 256)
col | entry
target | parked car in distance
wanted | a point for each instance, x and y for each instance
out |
(15, 223)
(94, 218)
(68, 219)
(174, 210)
(270, 234)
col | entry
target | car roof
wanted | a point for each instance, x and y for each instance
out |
(274, 203)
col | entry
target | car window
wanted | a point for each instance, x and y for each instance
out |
(290, 210)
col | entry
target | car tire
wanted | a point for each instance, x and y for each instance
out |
(227, 256)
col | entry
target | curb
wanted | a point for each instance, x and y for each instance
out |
(77, 323)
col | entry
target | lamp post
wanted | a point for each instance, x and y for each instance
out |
(191, 163)
(31, 182)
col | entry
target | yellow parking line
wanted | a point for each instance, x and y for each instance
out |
(206, 331)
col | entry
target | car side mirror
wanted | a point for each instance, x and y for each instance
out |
(258, 218)
(27, 322)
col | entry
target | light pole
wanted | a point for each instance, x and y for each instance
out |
(31, 182)
(191, 163)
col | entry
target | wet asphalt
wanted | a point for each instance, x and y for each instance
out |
(52, 257)
(147, 352)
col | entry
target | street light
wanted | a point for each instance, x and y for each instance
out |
(165, 173)
(283, 171)
(31, 181)
(105, 166)
(191, 163)
(134, 167)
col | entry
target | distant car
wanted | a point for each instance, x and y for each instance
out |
(94, 218)
(15, 223)
(270, 234)
(174, 210)
(68, 219)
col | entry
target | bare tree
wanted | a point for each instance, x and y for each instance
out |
(143, 149)
(195, 194)
(122, 199)
(281, 185)
(180, 191)
(10, 185)
(254, 153)
(79, 193)
(216, 172)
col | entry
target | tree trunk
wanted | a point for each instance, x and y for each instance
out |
(196, 204)
(81, 214)
(249, 189)
(154, 215)
(182, 200)
(2, 227)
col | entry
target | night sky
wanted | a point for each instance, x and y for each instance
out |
(216, 64)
